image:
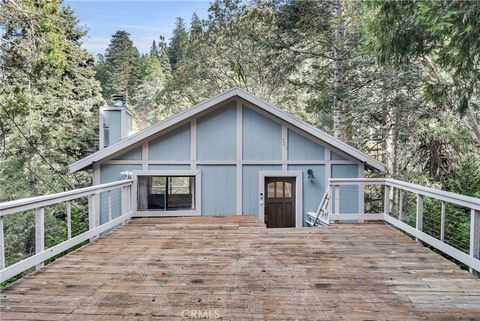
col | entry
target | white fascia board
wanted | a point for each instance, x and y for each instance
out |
(235, 91)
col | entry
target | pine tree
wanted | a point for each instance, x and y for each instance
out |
(164, 59)
(121, 61)
(148, 88)
(196, 27)
(154, 50)
(177, 43)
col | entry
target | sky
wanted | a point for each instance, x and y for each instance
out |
(144, 20)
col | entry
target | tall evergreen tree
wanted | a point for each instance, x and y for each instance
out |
(164, 58)
(154, 50)
(177, 43)
(121, 61)
(146, 93)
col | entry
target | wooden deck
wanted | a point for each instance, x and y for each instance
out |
(235, 269)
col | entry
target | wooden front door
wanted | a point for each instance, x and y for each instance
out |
(280, 201)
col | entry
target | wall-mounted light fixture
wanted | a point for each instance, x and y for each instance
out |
(126, 174)
(310, 176)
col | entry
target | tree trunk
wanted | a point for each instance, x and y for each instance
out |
(473, 124)
(338, 108)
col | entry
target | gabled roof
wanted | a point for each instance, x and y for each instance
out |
(231, 93)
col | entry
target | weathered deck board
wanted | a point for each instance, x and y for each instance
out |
(156, 268)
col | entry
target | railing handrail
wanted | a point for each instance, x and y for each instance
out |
(25, 204)
(471, 259)
(117, 217)
(450, 197)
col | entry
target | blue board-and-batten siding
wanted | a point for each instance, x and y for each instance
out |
(134, 154)
(313, 189)
(218, 189)
(172, 146)
(216, 134)
(302, 148)
(262, 137)
(216, 141)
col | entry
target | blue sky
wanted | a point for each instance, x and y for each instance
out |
(144, 20)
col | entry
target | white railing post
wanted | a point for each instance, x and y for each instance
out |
(92, 214)
(69, 219)
(129, 198)
(337, 199)
(475, 236)
(39, 233)
(442, 222)
(2, 245)
(400, 206)
(123, 198)
(109, 205)
(123, 202)
(330, 201)
(419, 216)
(386, 200)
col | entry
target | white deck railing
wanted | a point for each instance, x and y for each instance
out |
(38, 205)
(334, 194)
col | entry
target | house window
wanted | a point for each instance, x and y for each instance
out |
(166, 193)
(106, 135)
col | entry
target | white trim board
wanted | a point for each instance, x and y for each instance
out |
(228, 162)
(223, 97)
(298, 193)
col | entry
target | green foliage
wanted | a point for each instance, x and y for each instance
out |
(446, 31)
(175, 50)
(466, 179)
(117, 73)
(48, 107)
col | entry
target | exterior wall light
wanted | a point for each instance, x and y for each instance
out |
(310, 176)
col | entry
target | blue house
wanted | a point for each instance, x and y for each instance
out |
(233, 154)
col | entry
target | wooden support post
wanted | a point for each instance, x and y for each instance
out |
(69, 219)
(400, 206)
(419, 220)
(442, 222)
(2, 245)
(386, 200)
(39, 233)
(475, 236)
